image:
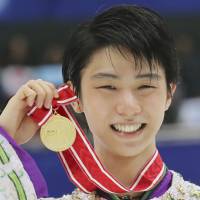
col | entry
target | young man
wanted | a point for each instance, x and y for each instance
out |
(122, 66)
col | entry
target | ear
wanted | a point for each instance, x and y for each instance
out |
(77, 104)
(170, 95)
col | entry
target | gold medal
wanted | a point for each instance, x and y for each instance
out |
(58, 133)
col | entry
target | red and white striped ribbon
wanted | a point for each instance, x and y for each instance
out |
(81, 162)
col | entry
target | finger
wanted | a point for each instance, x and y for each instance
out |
(49, 93)
(52, 86)
(41, 93)
(31, 97)
(27, 94)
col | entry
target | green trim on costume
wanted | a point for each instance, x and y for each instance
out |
(18, 185)
(13, 176)
(3, 156)
(145, 196)
(114, 197)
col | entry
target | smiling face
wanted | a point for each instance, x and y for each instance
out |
(124, 106)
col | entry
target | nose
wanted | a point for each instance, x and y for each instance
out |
(127, 104)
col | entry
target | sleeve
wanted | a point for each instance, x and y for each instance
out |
(29, 165)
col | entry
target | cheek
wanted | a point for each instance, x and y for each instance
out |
(155, 105)
(95, 103)
(97, 113)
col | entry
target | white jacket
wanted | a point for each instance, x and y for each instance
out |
(15, 183)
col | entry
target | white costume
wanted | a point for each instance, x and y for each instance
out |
(15, 183)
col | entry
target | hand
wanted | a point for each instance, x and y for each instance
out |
(14, 117)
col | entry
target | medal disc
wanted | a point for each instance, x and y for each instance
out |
(58, 134)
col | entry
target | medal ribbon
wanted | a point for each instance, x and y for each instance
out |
(81, 162)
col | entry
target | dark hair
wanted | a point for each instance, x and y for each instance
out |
(139, 30)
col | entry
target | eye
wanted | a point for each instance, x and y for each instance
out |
(146, 87)
(107, 87)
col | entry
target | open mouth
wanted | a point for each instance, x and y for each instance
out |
(129, 129)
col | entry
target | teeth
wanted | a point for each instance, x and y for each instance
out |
(127, 128)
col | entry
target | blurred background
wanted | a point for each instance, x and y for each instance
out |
(32, 40)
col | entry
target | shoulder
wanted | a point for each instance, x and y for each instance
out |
(181, 189)
(14, 181)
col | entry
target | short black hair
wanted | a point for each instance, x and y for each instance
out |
(140, 30)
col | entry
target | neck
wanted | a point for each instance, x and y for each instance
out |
(125, 169)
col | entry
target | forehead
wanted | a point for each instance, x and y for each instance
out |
(121, 62)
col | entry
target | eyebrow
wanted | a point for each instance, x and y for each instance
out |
(105, 75)
(149, 75)
(113, 76)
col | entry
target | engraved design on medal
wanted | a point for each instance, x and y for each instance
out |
(58, 133)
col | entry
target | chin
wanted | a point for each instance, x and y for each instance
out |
(129, 151)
